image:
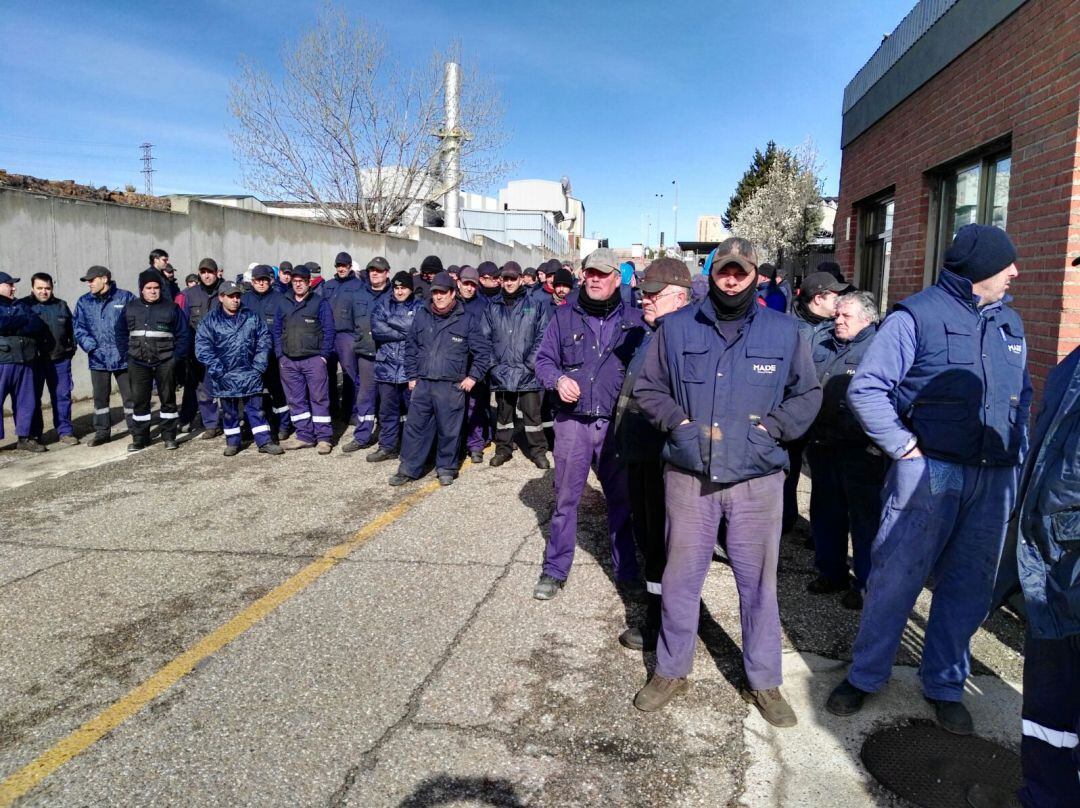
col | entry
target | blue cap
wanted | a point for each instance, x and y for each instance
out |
(5, 278)
(262, 271)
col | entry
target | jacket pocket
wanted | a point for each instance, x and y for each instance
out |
(695, 364)
(683, 448)
(765, 454)
(572, 351)
(1013, 339)
(961, 346)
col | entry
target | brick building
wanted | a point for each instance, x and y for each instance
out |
(968, 112)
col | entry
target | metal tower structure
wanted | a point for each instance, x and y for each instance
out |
(148, 167)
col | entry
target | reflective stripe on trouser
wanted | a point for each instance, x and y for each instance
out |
(945, 520)
(101, 381)
(845, 495)
(526, 407)
(393, 406)
(581, 445)
(143, 380)
(17, 381)
(645, 483)
(195, 393)
(1050, 746)
(436, 411)
(253, 412)
(364, 405)
(274, 400)
(752, 510)
(305, 384)
(477, 424)
(56, 376)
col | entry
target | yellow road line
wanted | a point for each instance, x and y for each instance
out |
(26, 778)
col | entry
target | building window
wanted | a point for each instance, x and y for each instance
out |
(974, 192)
(875, 247)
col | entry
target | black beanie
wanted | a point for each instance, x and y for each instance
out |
(149, 276)
(979, 251)
(562, 277)
(432, 264)
(402, 278)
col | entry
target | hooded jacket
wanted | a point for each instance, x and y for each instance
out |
(515, 328)
(100, 329)
(390, 325)
(236, 350)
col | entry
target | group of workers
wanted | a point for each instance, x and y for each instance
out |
(694, 401)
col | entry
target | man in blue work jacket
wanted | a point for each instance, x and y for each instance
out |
(99, 330)
(446, 353)
(364, 298)
(728, 381)
(1047, 559)
(52, 370)
(264, 299)
(20, 331)
(583, 358)
(944, 392)
(846, 468)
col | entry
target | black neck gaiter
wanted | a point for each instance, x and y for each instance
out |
(599, 308)
(732, 307)
(512, 297)
(490, 291)
(803, 310)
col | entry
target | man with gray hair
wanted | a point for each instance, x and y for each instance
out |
(846, 469)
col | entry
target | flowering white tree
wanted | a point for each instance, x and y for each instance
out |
(783, 215)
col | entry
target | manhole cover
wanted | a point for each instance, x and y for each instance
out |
(933, 768)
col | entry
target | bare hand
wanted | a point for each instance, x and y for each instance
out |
(913, 454)
(412, 385)
(762, 428)
(467, 384)
(568, 390)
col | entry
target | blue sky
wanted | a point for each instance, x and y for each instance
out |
(622, 97)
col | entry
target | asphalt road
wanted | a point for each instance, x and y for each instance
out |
(410, 666)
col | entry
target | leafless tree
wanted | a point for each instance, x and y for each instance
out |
(351, 131)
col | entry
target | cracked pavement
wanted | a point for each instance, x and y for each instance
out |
(419, 671)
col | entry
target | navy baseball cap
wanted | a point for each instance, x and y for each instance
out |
(343, 259)
(302, 271)
(5, 278)
(262, 271)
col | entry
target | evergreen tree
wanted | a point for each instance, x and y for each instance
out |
(752, 179)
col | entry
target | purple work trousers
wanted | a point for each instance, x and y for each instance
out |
(367, 396)
(477, 419)
(752, 510)
(393, 406)
(582, 444)
(344, 354)
(56, 376)
(307, 391)
(17, 381)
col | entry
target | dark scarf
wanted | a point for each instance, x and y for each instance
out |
(732, 307)
(490, 291)
(804, 313)
(599, 308)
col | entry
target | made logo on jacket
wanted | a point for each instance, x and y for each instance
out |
(764, 369)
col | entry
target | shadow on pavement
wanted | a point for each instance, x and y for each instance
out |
(445, 790)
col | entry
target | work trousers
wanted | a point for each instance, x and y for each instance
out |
(581, 445)
(365, 400)
(393, 409)
(305, 382)
(101, 382)
(17, 381)
(943, 519)
(646, 487)
(477, 418)
(795, 451)
(521, 407)
(1050, 746)
(143, 379)
(845, 495)
(752, 510)
(196, 396)
(251, 406)
(342, 397)
(274, 399)
(436, 411)
(56, 376)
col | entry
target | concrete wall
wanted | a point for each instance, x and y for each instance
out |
(40, 233)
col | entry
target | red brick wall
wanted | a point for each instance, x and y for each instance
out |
(1023, 79)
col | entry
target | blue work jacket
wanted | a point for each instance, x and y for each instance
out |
(390, 325)
(235, 349)
(446, 347)
(100, 328)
